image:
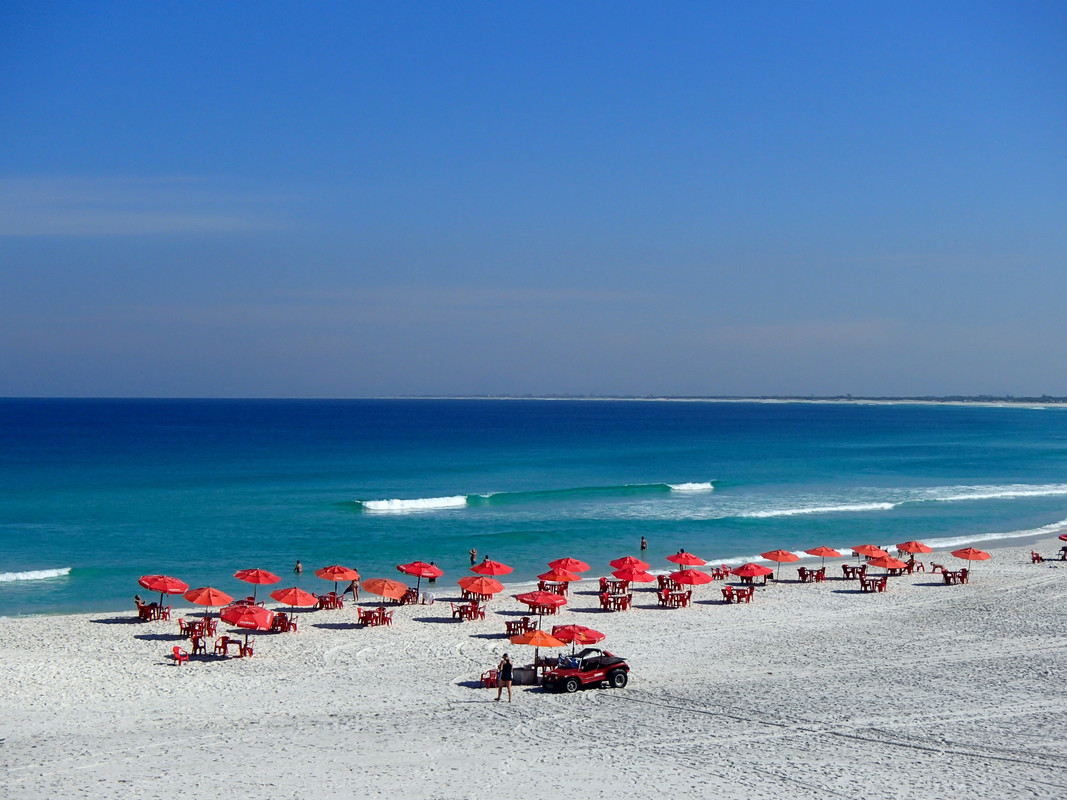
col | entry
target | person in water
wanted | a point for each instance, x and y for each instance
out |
(474, 555)
(298, 568)
(644, 543)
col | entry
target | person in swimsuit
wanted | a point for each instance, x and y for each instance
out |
(644, 543)
(504, 677)
(474, 555)
(298, 568)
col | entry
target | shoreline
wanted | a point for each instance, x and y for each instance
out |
(811, 690)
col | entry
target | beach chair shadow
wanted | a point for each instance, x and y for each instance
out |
(446, 620)
(160, 637)
(335, 626)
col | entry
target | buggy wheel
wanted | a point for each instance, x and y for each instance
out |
(618, 679)
(571, 685)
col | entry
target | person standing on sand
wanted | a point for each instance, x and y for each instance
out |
(353, 587)
(503, 677)
(474, 555)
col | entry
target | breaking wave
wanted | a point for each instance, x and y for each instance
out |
(34, 575)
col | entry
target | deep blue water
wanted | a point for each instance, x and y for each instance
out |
(115, 489)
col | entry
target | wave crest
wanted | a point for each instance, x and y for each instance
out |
(34, 575)
(419, 504)
(692, 488)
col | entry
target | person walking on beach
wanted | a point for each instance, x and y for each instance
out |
(474, 555)
(503, 677)
(298, 568)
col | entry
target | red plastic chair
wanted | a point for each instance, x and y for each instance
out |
(728, 594)
(199, 648)
(489, 679)
(180, 655)
(220, 645)
(246, 649)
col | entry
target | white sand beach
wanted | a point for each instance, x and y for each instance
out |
(811, 691)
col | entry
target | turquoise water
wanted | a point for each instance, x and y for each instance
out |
(113, 489)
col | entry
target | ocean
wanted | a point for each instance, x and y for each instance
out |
(95, 493)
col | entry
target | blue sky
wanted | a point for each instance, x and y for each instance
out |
(362, 199)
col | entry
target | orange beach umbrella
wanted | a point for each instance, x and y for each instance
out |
(294, 596)
(869, 550)
(559, 576)
(634, 575)
(692, 577)
(823, 552)
(538, 638)
(914, 547)
(971, 554)
(480, 584)
(208, 596)
(752, 571)
(385, 587)
(887, 562)
(781, 556)
(335, 573)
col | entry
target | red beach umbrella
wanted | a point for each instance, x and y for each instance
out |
(335, 573)
(256, 577)
(869, 550)
(634, 575)
(577, 634)
(386, 587)
(207, 596)
(914, 548)
(541, 600)
(684, 559)
(164, 584)
(294, 596)
(420, 569)
(971, 554)
(629, 561)
(752, 571)
(479, 584)
(559, 575)
(887, 562)
(692, 577)
(569, 564)
(488, 567)
(781, 556)
(823, 552)
(1063, 537)
(256, 618)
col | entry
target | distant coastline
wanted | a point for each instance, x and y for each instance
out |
(1043, 401)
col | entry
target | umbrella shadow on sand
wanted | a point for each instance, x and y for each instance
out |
(118, 621)
(160, 637)
(440, 620)
(337, 626)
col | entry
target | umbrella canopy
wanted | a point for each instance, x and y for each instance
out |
(479, 584)
(634, 575)
(692, 577)
(685, 559)
(255, 618)
(164, 584)
(569, 564)
(869, 550)
(577, 634)
(420, 569)
(558, 575)
(1063, 537)
(541, 599)
(207, 596)
(488, 567)
(335, 573)
(538, 638)
(294, 596)
(385, 587)
(970, 554)
(629, 561)
(781, 556)
(914, 547)
(888, 562)
(823, 552)
(752, 571)
(256, 577)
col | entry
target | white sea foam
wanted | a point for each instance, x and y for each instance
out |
(792, 512)
(419, 504)
(955, 494)
(34, 575)
(691, 488)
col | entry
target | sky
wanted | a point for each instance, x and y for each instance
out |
(608, 198)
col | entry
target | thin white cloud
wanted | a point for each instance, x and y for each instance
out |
(115, 206)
